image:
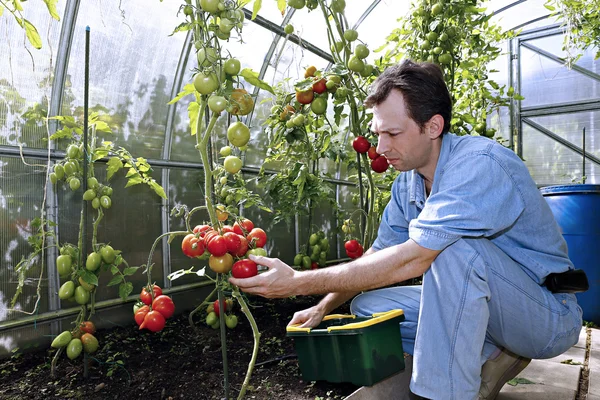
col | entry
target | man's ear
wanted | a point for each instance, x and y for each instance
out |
(435, 126)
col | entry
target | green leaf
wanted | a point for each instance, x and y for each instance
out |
(281, 4)
(113, 165)
(158, 189)
(125, 289)
(135, 180)
(184, 26)
(549, 7)
(32, 35)
(51, 4)
(88, 277)
(193, 108)
(65, 133)
(252, 78)
(130, 271)
(132, 172)
(99, 153)
(102, 126)
(518, 97)
(519, 381)
(187, 89)
(114, 270)
(17, 4)
(115, 280)
(256, 8)
(1, 11)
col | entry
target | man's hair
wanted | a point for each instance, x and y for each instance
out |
(422, 86)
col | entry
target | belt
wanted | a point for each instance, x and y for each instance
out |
(571, 281)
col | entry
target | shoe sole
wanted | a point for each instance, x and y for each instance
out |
(519, 365)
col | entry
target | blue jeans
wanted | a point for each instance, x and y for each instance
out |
(474, 299)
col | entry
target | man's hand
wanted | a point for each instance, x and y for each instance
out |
(278, 281)
(308, 318)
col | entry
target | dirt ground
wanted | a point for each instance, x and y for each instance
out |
(176, 363)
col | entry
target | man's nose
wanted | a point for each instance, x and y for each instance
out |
(382, 144)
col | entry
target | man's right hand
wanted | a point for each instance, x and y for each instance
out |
(308, 318)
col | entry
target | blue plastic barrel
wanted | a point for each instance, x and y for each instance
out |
(577, 211)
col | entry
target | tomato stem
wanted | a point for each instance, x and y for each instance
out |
(199, 308)
(256, 335)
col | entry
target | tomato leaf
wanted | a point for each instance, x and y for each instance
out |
(99, 153)
(88, 277)
(256, 8)
(187, 89)
(135, 180)
(51, 4)
(17, 4)
(113, 165)
(125, 289)
(131, 172)
(65, 133)
(1, 11)
(193, 108)
(281, 4)
(32, 34)
(184, 26)
(252, 78)
(115, 280)
(102, 126)
(157, 189)
(130, 270)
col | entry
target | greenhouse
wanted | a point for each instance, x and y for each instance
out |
(300, 199)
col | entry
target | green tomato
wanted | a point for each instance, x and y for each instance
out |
(432, 36)
(426, 45)
(289, 29)
(231, 321)
(232, 66)
(437, 9)
(107, 191)
(89, 195)
(226, 25)
(59, 170)
(259, 251)
(437, 50)
(93, 261)
(289, 123)
(319, 106)
(367, 71)
(96, 203)
(298, 260)
(313, 239)
(355, 64)
(223, 35)
(105, 201)
(443, 37)
(63, 265)
(211, 318)
(82, 296)
(67, 290)
(206, 56)
(445, 58)
(338, 6)
(350, 35)
(361, 51)
(73, 151)
(206, 84)
(74, 183)
(217, 103)
(232, 164)
(297, 4)
(341, 92)
(53, 178)
(306, 262)
(238, 134)
(108, 254)
(62, 340)
(70, 168)
(210, 6)
(299, 120)
(92, 183)
(74, 348)
(330, 85)
(188, 10)
(225, 151)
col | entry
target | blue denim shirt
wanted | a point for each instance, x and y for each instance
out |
(480, 190)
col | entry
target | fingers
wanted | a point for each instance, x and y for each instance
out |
(266, 261)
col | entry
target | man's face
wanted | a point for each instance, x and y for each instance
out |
(401, 141)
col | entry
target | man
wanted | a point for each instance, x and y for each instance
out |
(467, 216)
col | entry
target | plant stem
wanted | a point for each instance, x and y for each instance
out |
(149, 265)
(222, 308)
(256, 336)
(54, 361)
(202, 149)
(206, 301)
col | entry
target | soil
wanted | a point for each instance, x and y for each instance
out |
(176, 363)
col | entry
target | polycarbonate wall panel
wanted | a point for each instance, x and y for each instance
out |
(21, 195)
(570, 127)
(546, 82)
(550, 162)
(132, 65)
(26, 76)
(519, 14)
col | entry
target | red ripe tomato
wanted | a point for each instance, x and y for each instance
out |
(361, 144)
(244, 269)
(164, 305)
(246, 226)
(202, 229)
(217, 246)
(243, 247)
(87, 327)
(351, 246)
(140, 314)
(227, 228)
(192, 246)
(146, 297)
(380, 164)
(153, 321)
(372, 152)
(319, 86)
(314, 265)
(233, 242)
(208, 237)
(305, 96)
(258, 236)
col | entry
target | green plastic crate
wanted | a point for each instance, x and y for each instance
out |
(346, 348)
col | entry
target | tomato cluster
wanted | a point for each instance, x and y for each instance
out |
(318, 246)
(152, 314)
(80, 339)
(227, 243)
(353, 248)
(213, 312)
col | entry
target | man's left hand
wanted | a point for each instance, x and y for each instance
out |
(278, 281)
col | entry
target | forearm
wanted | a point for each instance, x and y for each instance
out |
(391, 265)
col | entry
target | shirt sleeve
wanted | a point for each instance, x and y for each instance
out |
(393, 228)
(476, 197)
